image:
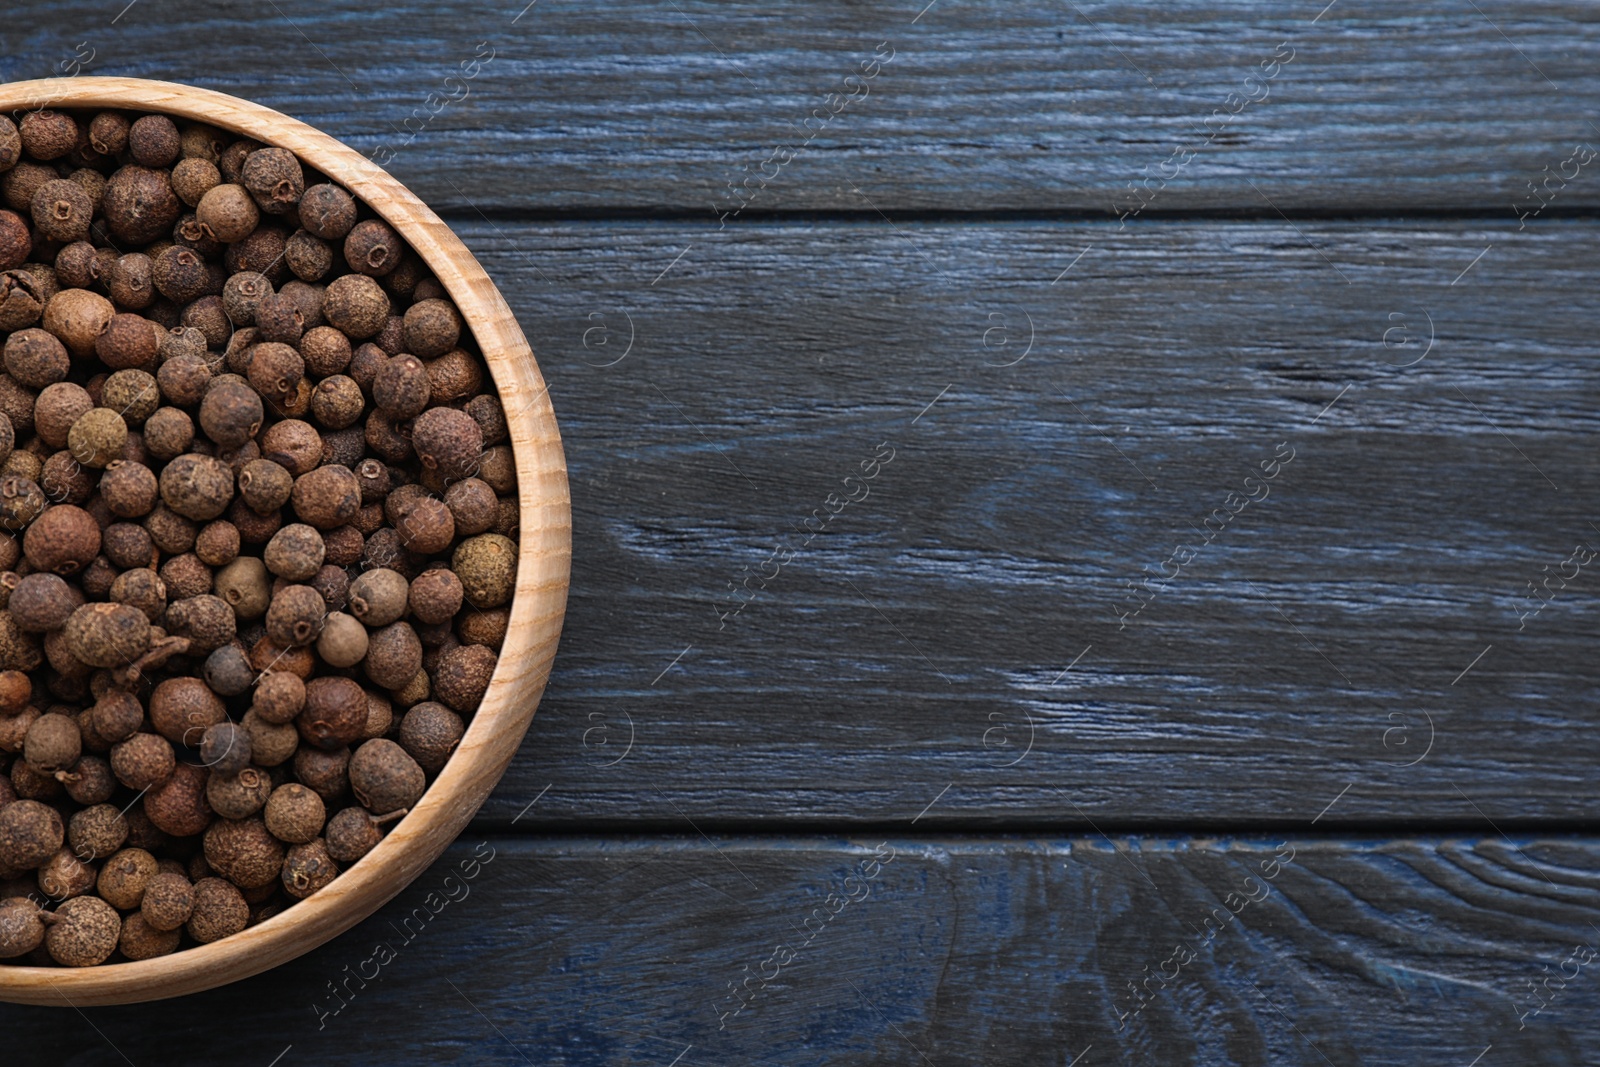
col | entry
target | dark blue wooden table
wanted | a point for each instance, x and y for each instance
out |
(1084, 531)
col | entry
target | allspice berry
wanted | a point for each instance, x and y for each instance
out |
(326, 772)
(351, 834)
(36, 358)
(294, 814)
(430, 732)
(98, 437)
(178, 806)
(394, 656)
(401, 388)
(356, 305)
(54, 743)
(196, 486)
(124, 876)
(295, 553)
(96, 832)
(42, 602)
(153, 141)
(30, 833)
(327, 497)
(487, 567)
(228, 213)
(62, 540)
(78, 317)
(335, 712)
(294, 617)
(243, 851)
(141, 941)
(279, 696)
(22, 927)
(307, 868)
(143, 761)
(62, 211)
(219, 911)
(378, 597)
(384, 777)
(84, 933)
(225, 748)
(274, 178)
(231, 412)
(168, 901)
(241, 795)
(343, 642)
(128, 341)
(64, 876)
(182, 709)
(107, 635)
(448, 442)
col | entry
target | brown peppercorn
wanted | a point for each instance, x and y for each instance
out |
(274, 178)
(343, 642)
(22, 924)
(270, 743)
(131, 281)
(30, 833)
(168, 901)
(335, 712)
(21, 501)
(36, 358)
(473, 505)
(141, 588)
(373, 248)
(394, 656)
(243, 851)
(139, 940)
(197, 486)
(64, 876)
(65, 480)
(245, 586)
(295, 814)
(279, 318)
(178, 806)
(225, 748)
(294, 553)
(124, 877)
(279, 696)
(42, 602)
(143, 761)
(183, 709)
(294, 444)
(337, 402)
(294, 617)
(463, 676)
(78, 317)
(54, 743)
(153, 141)
(48, 135)
(356, 305)
(327, 773)
(181, 274)
(309, 258)
(207, 621)
(227, 671)
(231, 412)
(378, 597)
(227, 213)
(426, 526)
(62, 211)
(401, 388)
(168, 433)
(384, 777)
(327, 211)
(139, 205)
(185, 577)
(84, 933)
(97, 437)
(351, 834)
(219, 911)
(171, 532)
(97, 831)
(193, 178)
(308, 868)
(107, 635)
(327, 497)
(487, 567)
(275, 369)
(430, 732)
(240, 795)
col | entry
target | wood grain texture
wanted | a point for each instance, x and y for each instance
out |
(909, 652)
(589, 952)
(544, 552)
(1031, 106)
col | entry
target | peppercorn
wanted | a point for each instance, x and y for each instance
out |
(196, 486)
(231, 412)
(373, 248)
(219, 911)
(429, 733)
(307, 868)
(327, 211)
(356, 305)
(30, 833)
(54, 743)
(327, 773)
(274, 178)
(327, 497)
(84, 932)
(227, 671)
(294, 444)
(139, 205)
(335, 712)
(426, 526)
(178, 806)
(106, 635)
(270, 743)
(261, 251)
(239, 795)
(143, 761)
(343, 642)
(294, 616)
(22, 926)
(42, 601)
(225, 748)
(168, 901)
(400, 389)
(243, 851)
(295, 552)
(207, 621)
(378, 597)
(295, 814)
(487, 567)
(64, 876)
(48, 135)
(227, 213)
(141, 588)
(275, 369)
(21, 500)
(97, 437)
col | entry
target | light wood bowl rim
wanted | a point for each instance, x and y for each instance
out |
(544, 556)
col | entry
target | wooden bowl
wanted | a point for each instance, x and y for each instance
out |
(542, 568)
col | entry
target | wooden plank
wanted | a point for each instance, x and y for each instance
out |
(590, 951)
(1035, 106)
(914, 650)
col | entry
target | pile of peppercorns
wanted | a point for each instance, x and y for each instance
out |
(259, 510)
